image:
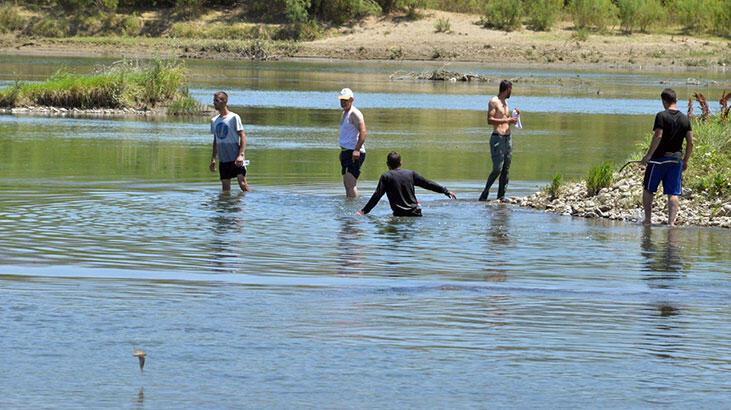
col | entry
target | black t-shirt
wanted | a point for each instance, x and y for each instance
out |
(398, 184)
(674, 125)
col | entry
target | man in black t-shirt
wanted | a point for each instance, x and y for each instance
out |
(663, 158)
(398, 184)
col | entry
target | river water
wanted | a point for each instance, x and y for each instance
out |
(114, 235)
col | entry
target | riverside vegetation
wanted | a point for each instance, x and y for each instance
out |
(266, 29)
(706, 196)
(124, 87)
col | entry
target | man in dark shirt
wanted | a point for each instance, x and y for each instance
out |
(398, 184)
(663, 158)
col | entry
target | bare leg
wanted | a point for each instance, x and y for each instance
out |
(349, 181)
(647, 204)
(673, 207)
(243, 183)
(226, 185)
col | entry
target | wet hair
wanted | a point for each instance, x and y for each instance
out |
(393, 160)
(222, 95)
(504, 85)
(668, 96)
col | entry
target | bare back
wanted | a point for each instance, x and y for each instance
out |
(497, 110)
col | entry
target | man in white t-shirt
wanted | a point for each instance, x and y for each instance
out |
(229, 144)
(352, 142)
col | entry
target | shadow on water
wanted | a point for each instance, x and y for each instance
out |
(228, 228)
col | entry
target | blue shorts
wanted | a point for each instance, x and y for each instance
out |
(665, 169)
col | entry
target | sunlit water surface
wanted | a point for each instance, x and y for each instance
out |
(113, 234)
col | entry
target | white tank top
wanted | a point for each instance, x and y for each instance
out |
(349, 131)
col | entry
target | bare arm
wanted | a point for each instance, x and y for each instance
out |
(377, 195)
(688, 148)
(242, 148)
(212, 165)
(361, 139)
(653, 145)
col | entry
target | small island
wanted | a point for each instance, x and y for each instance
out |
(155, 87)
(604, 193)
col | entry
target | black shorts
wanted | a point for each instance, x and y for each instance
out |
(228, 170)
(347, 164)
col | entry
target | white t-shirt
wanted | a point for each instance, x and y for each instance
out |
(226, 131)
(349, 129)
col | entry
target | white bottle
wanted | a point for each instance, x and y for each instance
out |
(516, 115)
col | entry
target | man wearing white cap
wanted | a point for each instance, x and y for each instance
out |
(352, 142)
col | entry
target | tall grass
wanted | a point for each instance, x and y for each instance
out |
(554, 189)
(125, 85)
(599, 177)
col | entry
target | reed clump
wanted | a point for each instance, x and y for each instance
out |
(126, 84)
(599, 177)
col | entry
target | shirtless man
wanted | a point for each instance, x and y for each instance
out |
(501, 146)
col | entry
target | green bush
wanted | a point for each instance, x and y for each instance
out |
(650, 14)
(722, 19)
(596, 14)
(695, 15)
(503, 15)
(709, 168)
(459, 6)
(184, 104)
(342, 11)
(628, 12)
(46, 27)
(10, 19)
(599, 177)
(442, 25)
(306, 31)
(543, 14)
(554, 189)
(132, 25)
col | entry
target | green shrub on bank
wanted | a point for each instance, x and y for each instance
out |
(46, 27)
(10, 19)
(220, 31)
(695, 15)
(641, 14)
(503, 15)
(709, 168)
(126, 85)
(599, 177)
(597, 14)
(184, 104)
(458, 6)
(554, 189)
(543, 14)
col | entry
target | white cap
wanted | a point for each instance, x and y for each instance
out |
(346, 94)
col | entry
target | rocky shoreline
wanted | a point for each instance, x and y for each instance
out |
(622, 201)
(99, 112)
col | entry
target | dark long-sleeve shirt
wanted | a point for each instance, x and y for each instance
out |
(398, 185)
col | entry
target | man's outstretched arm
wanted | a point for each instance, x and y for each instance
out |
(432, 186)
(377, 195)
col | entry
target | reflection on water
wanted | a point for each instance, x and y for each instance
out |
(139, 401)
(662, 250)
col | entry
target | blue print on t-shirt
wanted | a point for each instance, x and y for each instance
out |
(221, 130)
